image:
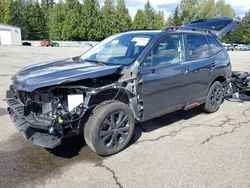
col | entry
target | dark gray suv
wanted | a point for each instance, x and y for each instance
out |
(128, 77)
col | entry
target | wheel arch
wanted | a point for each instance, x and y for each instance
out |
(110, 95)
(221, 78)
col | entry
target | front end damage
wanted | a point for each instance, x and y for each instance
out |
(47, 115)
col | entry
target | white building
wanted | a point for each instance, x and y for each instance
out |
(10, 35)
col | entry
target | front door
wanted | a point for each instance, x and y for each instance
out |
(164, 77)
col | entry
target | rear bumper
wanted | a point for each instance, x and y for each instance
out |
(33, 132)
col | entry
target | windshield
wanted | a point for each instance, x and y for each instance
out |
(120, 49)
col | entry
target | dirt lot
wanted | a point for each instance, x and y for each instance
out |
(181, 149)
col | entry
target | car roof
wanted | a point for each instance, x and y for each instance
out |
(169, 30)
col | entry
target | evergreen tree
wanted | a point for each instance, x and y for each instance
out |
(148, 18)
(123, 20)
(149, 15)
(139, 20)
(90, 21)
(36, 24)
(56, 21)
(159, 20)
(71, 29)
(18, 10)
(108, 18)
(46, 7)
(175, 19)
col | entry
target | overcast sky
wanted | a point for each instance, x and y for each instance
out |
(239, 6)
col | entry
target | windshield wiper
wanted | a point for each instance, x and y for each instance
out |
(95, 61)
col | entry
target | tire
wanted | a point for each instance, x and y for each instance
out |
(115, 136)
(214, 98)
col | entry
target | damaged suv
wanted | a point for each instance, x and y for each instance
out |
(128, 77)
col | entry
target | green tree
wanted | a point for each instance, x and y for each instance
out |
(4, 11)
(108, 18)
(71, 24)
(123, 20)
(46, 7)
(149, 14)
(36, 24)
(139, 20)
(189, 10)
(159, 20)
(148, 18)
(90, 21)
(207, 9)
(175, 19)
(56, 21)
(18, 10)
(223, 9)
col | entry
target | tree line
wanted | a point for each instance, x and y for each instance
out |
(72, 20)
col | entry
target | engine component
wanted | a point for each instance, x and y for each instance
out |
(238, 89)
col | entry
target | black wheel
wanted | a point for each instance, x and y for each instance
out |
(214, 98)
(110, 128)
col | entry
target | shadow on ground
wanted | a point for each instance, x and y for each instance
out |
(22, 162)
(162, 121)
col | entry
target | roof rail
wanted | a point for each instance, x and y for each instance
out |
(195, 29)
(174, 28)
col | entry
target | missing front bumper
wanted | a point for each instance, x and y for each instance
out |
(36, 136)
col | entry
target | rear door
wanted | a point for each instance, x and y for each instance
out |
(199, 67)
(218, 26)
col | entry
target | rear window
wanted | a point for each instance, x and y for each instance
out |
(214, 45)
(197, 47)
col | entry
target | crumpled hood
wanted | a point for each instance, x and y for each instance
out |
(58, 72)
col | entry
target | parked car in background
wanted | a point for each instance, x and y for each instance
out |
(25, 43)
(229, 47)
(241, 47)
(248, 47)
(129, 77)
(47, 43)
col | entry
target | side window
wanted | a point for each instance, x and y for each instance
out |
(170, 50)
(214, 45)
(197, 47)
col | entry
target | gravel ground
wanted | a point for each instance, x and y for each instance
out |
(181, 149)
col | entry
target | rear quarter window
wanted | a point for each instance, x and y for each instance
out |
(197, 47)
(214, 45)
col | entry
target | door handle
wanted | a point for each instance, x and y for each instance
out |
(213, 65)
(152, 70)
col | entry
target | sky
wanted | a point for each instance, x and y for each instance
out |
(240, 6)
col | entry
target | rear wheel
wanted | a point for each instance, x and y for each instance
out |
(214, 98)
(109, 128)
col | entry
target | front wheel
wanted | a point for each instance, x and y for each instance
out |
(110, 128)
(214, 98)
